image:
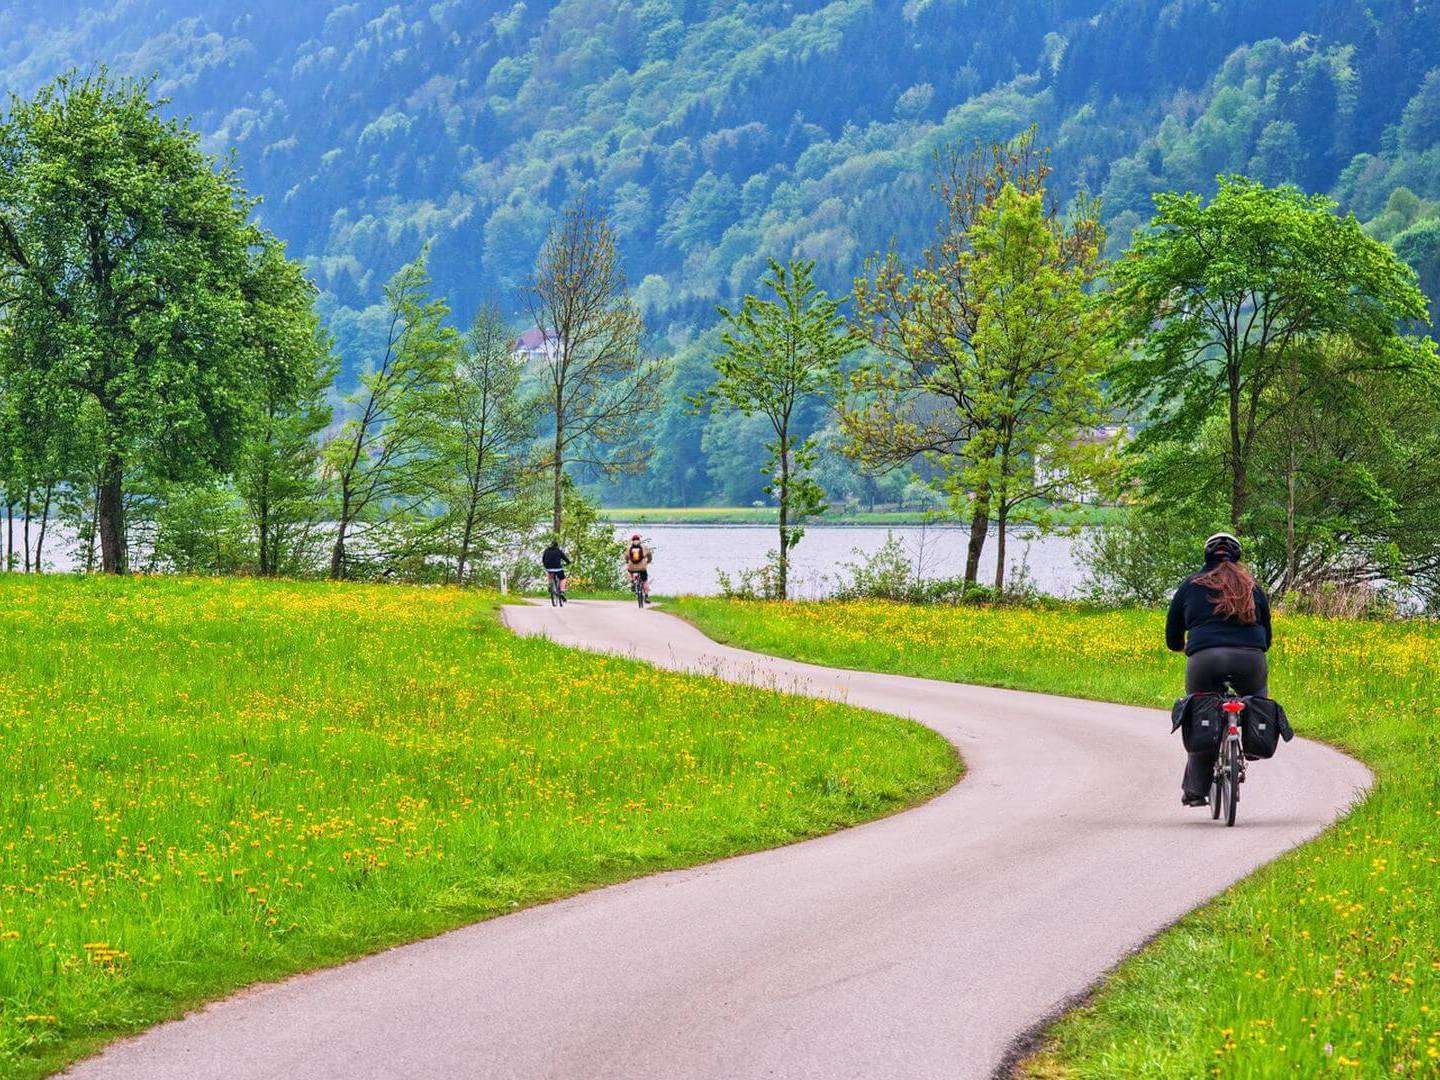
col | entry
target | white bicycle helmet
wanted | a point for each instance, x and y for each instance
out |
(1226, 542)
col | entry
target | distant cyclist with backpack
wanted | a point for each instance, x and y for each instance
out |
(637, 562)
(1220, 619)
(554, 560)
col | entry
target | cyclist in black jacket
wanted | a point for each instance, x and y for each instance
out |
(1220, 619)
(554, 560)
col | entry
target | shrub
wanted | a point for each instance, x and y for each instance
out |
(1139, 558)
(1335, 600)
(756, 583)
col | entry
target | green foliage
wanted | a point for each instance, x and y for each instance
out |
(201, 529)
(1225, 302)
(1039, 344)
(778, 354)
(127, 253)
(485, 478)
(713, 134)
(278, 474)
(1141, 557)
(382, 461)
(987, 352)
(597, 385)
(589, 539)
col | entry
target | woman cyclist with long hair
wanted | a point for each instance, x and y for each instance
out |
(1220, 619)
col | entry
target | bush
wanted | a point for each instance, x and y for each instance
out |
(758, 583)
(202, 529)
(1334, 600)
(888, 573)
(1139, 558)
(884, 574)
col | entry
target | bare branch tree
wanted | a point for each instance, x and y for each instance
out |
(597, 383)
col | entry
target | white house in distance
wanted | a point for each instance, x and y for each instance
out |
(1083, 493)
(534, 344)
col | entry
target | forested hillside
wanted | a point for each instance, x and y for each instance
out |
(717, 134)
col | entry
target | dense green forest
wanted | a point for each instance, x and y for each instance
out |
(716, 135)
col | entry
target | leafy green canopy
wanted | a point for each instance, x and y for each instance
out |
(1219, 299)
(777, 355)
(132, 285)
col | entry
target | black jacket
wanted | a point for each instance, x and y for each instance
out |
(1193, 625)
(552, 558)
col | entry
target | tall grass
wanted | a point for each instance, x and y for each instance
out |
(206, 783)
(1327, 960)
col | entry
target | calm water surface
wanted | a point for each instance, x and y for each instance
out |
(688, 558)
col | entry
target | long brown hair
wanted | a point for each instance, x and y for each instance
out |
(1234, 589)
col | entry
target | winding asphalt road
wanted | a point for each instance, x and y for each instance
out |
(922, 945)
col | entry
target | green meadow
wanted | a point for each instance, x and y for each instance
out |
(1326, 960)
(207, 783)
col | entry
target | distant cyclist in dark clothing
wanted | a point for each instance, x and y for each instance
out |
(1220, 619)
(555, 560)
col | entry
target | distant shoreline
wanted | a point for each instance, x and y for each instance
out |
(763, 516)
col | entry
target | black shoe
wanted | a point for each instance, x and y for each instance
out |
(1194, 800)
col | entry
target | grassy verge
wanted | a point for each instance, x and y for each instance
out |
(209, 783)
(1327, 960)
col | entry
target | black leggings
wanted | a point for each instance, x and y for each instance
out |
(1207, 671)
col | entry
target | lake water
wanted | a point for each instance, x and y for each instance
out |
(689, 558)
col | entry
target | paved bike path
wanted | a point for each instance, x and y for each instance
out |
(918, 946)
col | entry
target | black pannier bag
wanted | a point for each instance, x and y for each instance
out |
(1262, 725)
(1200, 721)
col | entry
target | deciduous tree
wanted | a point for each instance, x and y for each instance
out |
(921, 398)
(278, 474)
(777, 354)
(382, 461)
(597, 383)
(1039, 345)
(486, 426)
(126, 252)
(1216, 299)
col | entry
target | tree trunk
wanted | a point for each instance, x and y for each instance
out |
(558, 516)
(1290, 568)
(25, 534)
(1237, 459)
(1001, 518)
(110, 512)
(263, 526)
(979, 526)
(465, 545)
(110, 517)
(44, 521)
(782, 569)
(337, 555)
(9, 534)
(94, 530)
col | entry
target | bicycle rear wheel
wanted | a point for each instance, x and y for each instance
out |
(1232, 781)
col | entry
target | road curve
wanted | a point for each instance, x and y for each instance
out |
(918, 946)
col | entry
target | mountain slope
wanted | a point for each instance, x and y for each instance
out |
(719, 133)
